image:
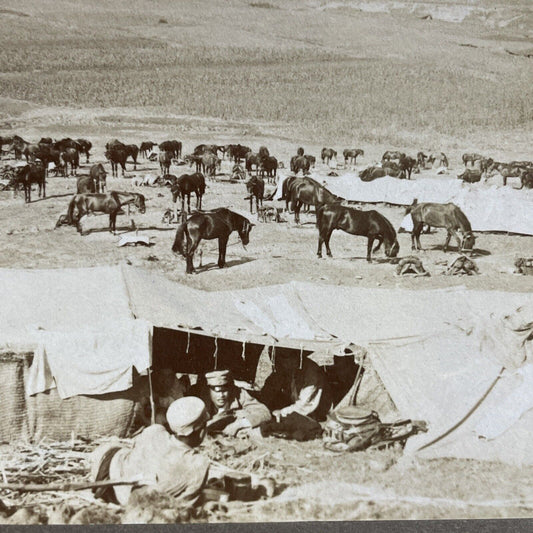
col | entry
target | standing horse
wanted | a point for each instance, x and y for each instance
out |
(184, 186)
(85, 147)
(165, 160)
(216, 224)
(447, 216)
(210, 164)
(300, 162)
(70, 156)
(352, 155)
(406, 165)
(256, 188)
(327, 155)
(116, 157)
(370, 224)
(146, 148)
(98, 173)
(132, 150)
(31, 173)
(310, 192)
(109, 203)
(269, 166)
(252, 159)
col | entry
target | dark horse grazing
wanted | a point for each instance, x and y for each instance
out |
(31, 173)
(109, 203)
(300, 162)
(85, 184)
(216, 224)
(352, 155)
(184, 186)
(256, 187)
(310, 192)
(447, 216)
(366, 223)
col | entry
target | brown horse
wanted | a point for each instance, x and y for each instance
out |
(165, 160)
(184, 186)
(310, 192)
(85, 148)
(146, 147)
(447, 216)
(390, 155)
(71, 157)
(216, 224)
(370, 224)
(29, 174)
(85, 184)
(269, 167)
(300, 162)
(109, 203)
(116, 156)
(132, 150)
(256, 188)
(327, 155)
(352, 155)
(99, 175)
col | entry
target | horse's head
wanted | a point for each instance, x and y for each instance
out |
(392, 248)
(468, 242)
(244, 232)
(139, 203)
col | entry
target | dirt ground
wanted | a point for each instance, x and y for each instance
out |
(319, 484)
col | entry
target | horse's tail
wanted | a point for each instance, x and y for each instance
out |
(463, 222)
(180, 241)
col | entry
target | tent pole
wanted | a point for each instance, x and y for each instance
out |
(357, 380)
(152, 402)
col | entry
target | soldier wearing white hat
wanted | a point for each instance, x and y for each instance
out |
(166, 462)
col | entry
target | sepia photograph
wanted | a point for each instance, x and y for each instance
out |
(266, 261)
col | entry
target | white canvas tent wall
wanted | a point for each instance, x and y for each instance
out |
(488, 208)
(429, 348)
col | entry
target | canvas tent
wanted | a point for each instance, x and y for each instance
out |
(458, 359)
(488, 208)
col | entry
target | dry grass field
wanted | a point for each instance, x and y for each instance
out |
(282, 74)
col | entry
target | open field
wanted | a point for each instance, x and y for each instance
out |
(281, 74)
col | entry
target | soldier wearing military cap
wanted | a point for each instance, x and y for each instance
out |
(231, 409)
(157, 459)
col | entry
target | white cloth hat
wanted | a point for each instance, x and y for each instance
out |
(186, 415)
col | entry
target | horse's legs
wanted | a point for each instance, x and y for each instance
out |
(113, 222)
(222, 243)
(296, 208)
(326, 240)
(447, 241)
(189, 203)
(378, 245)
(251, 203)
(415, 236)
(369, 248)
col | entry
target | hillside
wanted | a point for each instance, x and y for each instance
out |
(376, 71)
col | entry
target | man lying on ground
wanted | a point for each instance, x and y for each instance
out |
(230, 408)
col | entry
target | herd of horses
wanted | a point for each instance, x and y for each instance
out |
(332, 212)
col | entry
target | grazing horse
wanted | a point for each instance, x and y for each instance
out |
(447, 216)
(391, 155)
(165, 160)
(109, 203)
(300, 162)
(352, 155)
(311, 159)
(145, 148)
(237, 152)
(194, 159)
(71, 157)
(98, 174)
(327, 155)
(506, 170)
(471, 158)
(216, 224)
(116, 157)
(29, 174)
(269, 166)
(256, 188)
(310, 192)
(438, 159)
(85, 147)
(85, 184)
(203, 148)
(371, 224)
(115, 144)
(407, 164)
(210, 163)
(63, 144)
(45, 153)
(184, 186)
(132, 150)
